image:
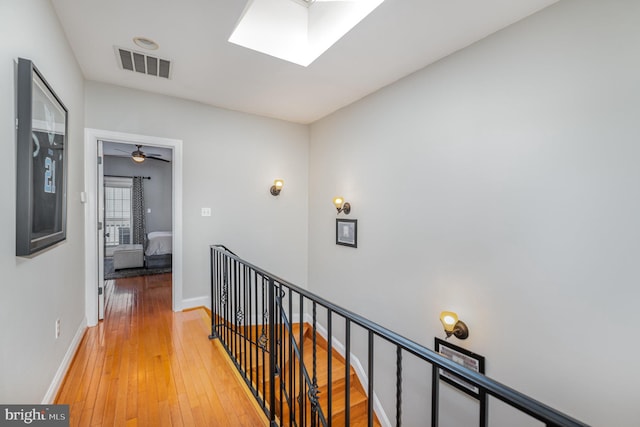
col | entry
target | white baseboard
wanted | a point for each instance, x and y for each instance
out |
(51, 393)
(196, 302)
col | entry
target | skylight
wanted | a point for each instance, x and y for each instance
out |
(298, 31)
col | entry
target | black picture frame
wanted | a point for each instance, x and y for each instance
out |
(347, 232)
(464, 357)
(41, 159)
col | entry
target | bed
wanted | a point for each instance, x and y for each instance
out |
(158, 250)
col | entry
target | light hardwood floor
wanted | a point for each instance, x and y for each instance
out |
(145, 365)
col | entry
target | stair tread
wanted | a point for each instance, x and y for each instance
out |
(337, 366)
(357, 397)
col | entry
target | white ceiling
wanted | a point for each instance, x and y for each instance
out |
(396, 39)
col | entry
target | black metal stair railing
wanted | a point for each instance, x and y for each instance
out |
(250, 318)
(270, 328)
(307, 386)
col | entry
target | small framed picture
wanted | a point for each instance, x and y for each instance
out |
(464, 357)
(347, 232)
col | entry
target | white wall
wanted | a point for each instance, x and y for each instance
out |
(37, 291)
(501, 183)
(157, 190)
(230, 162)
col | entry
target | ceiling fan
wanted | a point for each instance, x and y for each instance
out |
(140, 156)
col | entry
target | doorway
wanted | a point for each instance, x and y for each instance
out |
(137, 211)
(94, 220)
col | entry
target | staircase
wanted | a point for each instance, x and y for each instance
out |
(288, 409)
(297, 394)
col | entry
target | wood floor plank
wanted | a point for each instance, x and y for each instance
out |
(145, 365)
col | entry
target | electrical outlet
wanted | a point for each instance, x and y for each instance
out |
(57, 328)
(206, 212)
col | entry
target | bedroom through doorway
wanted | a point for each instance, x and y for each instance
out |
(137, 207)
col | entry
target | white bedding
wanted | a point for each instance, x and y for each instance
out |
(159, 243)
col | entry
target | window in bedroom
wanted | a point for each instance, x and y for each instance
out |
(117, 207)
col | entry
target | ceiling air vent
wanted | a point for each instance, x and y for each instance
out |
(142, 63)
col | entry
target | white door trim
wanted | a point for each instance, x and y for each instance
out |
(91, 137)
(100, 234)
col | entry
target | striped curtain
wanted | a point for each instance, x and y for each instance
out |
(137, 198)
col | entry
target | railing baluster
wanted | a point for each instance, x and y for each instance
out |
(256, 349)
(280, 349)
(314, 390)
(234, 307)
(250, 323)
(245, 325)
(238, 312)
(272, 353)
(347, 358)
(484, 410)
(220, 280)
(292, 394)
(398, 386)
(435, 395)
(214, 297)
(329, 367)
(370, 379)
(226, 299)
(262, 335)
(302, 399)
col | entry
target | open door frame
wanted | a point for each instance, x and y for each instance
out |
(92, 261)
(101, 225)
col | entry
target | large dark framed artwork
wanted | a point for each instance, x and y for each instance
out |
(41, 157)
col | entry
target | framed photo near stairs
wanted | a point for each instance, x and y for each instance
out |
(469, 360)
(463, 357)
(347, 232)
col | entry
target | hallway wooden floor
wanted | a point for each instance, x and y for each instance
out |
(145, 365)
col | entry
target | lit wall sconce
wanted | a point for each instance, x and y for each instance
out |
(453, 326)
(277, 187)
(341, 205)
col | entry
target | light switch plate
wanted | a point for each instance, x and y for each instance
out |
(206, 211)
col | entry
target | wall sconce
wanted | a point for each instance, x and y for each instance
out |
(453, 326)
(341, 205)
(277, 187)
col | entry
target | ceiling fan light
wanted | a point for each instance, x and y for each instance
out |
(138, 156)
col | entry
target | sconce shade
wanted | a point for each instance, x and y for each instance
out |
(449, 320)
(277, 187)
(453, 326)
(338, 201)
